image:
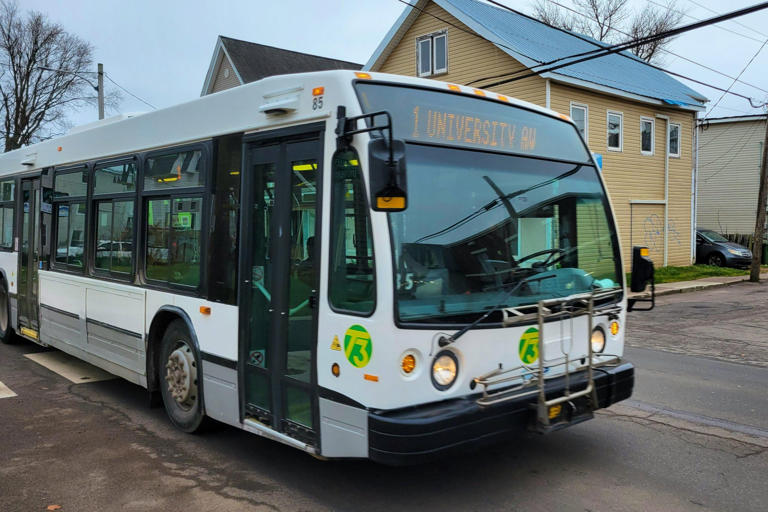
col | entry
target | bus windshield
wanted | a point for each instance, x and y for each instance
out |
(478, 224)
(505, 207)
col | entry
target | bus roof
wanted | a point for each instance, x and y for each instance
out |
(240, 109)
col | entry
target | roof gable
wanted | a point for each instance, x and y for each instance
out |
(256, 61)
(253, 61)
(532, 42)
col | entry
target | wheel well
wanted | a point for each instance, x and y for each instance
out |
(157, 328)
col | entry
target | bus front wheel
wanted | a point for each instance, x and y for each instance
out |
(179, 371)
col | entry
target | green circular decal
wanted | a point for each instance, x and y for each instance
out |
(358, 346)
(529, 346)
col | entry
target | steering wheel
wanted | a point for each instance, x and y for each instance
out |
(555, 255)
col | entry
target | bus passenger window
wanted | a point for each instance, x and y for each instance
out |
(352, 285)
(173, 240)
(7, 197)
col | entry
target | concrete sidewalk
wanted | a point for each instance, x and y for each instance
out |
(692, 286)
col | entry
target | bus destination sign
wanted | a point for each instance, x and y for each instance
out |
(448, 127)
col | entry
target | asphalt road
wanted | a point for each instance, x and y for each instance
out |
(693, 437)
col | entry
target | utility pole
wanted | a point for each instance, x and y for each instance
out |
(101, 90)
(757, 245)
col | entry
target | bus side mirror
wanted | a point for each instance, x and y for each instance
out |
(387, 175)
(642, 274)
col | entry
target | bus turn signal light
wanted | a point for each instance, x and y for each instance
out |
(408, 363)
(318, 91)
(364, 76)
(614, 328)
(335, 370)
(391, 203)
(205, 310)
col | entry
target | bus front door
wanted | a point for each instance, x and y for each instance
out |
(279, 282)
(29, 259)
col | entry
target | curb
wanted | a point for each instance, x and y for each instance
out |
(691, 288)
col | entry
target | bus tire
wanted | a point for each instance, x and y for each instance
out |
(7, 335)
(179, 378)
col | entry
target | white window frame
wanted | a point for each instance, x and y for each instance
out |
(430, 39)
(679, 137)
(608, 133)
(644, 120)
(585, 108)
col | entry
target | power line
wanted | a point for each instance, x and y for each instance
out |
(736, 22)
(725, 29)
(664, 50)
(736, 79)
(608, 50)
(129, 92)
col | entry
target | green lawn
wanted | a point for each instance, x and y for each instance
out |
(689, 273)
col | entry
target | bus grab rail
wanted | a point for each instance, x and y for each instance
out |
(534, 379)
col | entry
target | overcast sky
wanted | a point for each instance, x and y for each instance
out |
(160, 50)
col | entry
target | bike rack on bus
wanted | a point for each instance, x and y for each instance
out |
(528, 380)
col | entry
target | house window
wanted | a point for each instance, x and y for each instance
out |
(432, 54)
(646, 135)
(674, 140)
(615, 127)
(580, 116)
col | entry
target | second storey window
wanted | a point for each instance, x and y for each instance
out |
(674, 139)
(615, 125)
(579, 114)
(432, 54)
(646, 136)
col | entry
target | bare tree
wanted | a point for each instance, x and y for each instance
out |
(650, 22)
(613, 20)
(552, 15)
(43, 73)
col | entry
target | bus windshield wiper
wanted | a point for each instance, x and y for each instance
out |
(443, 341)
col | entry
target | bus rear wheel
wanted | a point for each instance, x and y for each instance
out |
(7, 335)
(179, 374)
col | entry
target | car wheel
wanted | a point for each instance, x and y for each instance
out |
(716, 260)
(180, 378)
(7, 335)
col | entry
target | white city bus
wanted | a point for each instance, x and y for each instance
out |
(356, 265)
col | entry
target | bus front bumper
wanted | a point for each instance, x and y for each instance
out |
(417, 434)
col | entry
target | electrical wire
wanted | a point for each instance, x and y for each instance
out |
(763, 34)
(129, 92)
(737, 78)
(608, 50)
(574, 11)
(725, 29)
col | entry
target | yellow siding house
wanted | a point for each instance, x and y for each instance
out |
(637, 119)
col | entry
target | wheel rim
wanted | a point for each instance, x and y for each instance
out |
(714, 260)
(181, 376)
(3, 310)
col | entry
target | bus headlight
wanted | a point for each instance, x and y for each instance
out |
(598, 340)
(445, 367)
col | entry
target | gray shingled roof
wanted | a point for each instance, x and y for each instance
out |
(532, 42)
(255, 61)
